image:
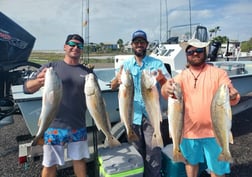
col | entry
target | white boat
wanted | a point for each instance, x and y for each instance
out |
(231, 51)
(240, 72)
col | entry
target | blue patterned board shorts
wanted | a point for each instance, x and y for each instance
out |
(59, 136)
(205, 149)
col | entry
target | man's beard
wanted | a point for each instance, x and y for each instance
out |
(140, 54)
(196, 64)
(202, 61)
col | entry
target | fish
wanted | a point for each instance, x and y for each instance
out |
(176, 121)
(221, 115)
(125, 99)
(97, 109)
(150, 96)
(51, 98)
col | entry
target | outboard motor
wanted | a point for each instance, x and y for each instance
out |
(6, 110)
(213, 50)
(15, 45)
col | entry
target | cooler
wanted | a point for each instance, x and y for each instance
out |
(174, 169)
(120, 161)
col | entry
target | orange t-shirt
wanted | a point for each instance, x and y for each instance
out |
(197, 116)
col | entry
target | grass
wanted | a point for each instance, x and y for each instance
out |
(45, 57)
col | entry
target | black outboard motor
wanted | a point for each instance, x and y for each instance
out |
(213, 50)
(15, 45)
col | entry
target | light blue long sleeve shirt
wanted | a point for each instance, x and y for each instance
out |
(151, 64)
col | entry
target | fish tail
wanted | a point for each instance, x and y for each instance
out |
(132, 136)
(178, 157)
(226, 157)
(157, 141)
(34, 142)
(112, 142)
(37, 141)
(231, 139)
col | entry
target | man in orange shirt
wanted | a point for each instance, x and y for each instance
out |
(199, 82)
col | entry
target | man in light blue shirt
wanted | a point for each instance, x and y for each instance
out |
(141, 124)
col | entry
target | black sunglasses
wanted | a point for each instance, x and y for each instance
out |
(73, 44)
(191, 52)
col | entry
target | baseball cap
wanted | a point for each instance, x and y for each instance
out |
(139, 34)
(74, 36)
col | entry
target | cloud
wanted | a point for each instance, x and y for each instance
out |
(50, 21)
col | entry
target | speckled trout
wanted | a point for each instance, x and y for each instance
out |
(176, 121)
(151, 99)
(52, 94)
(125, 99)
(97, 109)
(222, 121)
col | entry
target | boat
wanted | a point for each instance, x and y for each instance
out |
(231, 51)
(170, 52)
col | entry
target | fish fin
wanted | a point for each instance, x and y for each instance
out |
(132, 136)
(112, 142)
(108, 120)
(40, 141)
(225, 157)
(34, 142)
(37, 141)
(170, 133)
(157, 140)
(161, 119)
(231, 139)
(178, 157)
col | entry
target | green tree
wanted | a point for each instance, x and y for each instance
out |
(120, 44)
(246, 46)
(221, 39)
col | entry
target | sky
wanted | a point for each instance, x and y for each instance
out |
(50, 21)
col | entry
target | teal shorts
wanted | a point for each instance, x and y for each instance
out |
(206, 149)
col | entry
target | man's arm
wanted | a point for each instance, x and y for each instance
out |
(31, 86)
(114, 84)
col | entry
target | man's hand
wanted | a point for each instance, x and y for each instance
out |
(41, 77)
(160, 77)
(233, 93)
(114, 83)
(168, 88)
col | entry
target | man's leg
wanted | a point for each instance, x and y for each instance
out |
(49, 171)
(153, 155)
(79, 167)
(214, 175)
(192, 170)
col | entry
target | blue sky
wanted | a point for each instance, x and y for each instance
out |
(51, 20)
